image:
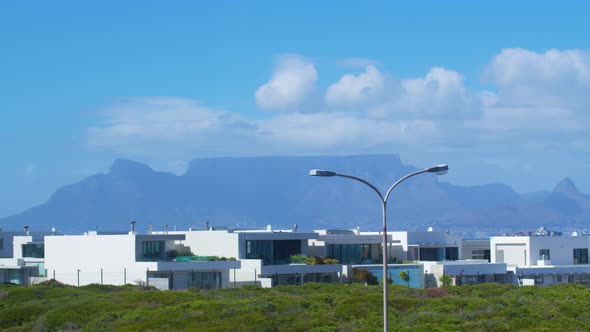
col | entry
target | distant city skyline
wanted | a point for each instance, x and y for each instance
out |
(498, 90)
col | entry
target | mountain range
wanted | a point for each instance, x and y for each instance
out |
(256, 191)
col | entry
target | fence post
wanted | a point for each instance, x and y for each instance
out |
(53, 274)
(101, 276)
(147, 277)
(255, 277)
(78, 277)
(234, 278)
(125, 276)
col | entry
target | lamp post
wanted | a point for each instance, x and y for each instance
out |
(438, 169)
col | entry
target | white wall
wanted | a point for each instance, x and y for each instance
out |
(211, 243)
(114, 254)
(523, 251)
(561, 248)
(17, 242)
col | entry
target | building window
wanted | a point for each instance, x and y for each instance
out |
(581, 256)
(272, 252)
(259, 249)
(205, 280)
(538, 280)
(481, 254)
(152, 250)
(1, 244)
(34, 250)
(544, 254)
(451, 253)
(355, 253)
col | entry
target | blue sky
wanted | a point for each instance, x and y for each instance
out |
(499, 90)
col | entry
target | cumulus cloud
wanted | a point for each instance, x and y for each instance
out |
(439, 91)
(292, 81)
(553, 78)
(357, 90)
(434, 114)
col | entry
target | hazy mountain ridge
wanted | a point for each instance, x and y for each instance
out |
(278, 191)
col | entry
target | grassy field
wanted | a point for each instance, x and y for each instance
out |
(311, 307)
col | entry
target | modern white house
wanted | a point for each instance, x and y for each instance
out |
(351, 246)
(428, 246)
(543, 260)
(528, 251)
(130, 258)
(22, 257)
(265, 255)
(467, 272)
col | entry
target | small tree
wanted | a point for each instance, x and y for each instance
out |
(445, 280)
(405, 276)
(363, 276)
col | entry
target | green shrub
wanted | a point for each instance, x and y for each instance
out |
(298, 259)
(405, 276)
(363, 276)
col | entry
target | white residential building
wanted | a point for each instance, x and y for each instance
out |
(264, 255)
(22, 257)
(124, 258)
(353, 246)
(467, 272)
(428, 246)
(543, 260)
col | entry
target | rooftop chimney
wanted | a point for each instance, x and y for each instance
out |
(132, 226)
(27, 229)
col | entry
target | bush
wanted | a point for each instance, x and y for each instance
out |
(298, 259)
(363, 276)
(172, 254)
(53, 283)
(405, 276)
(446, 280)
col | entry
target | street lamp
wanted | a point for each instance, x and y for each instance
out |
(438, 170)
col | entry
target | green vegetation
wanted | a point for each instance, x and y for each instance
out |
(405, 276)
(172, 254)
(311, 307)
(203, 258)
(311, 260)
(446, 280)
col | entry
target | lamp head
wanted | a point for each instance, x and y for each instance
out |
(439, 169)
(321, 172)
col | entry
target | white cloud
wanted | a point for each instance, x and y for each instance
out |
(553, 78)
(435, 114)
(353, 90)
(174, 126)
(439, 92)
(292, 81)
(323, 132)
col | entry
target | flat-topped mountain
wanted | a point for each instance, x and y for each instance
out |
(247, 192)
